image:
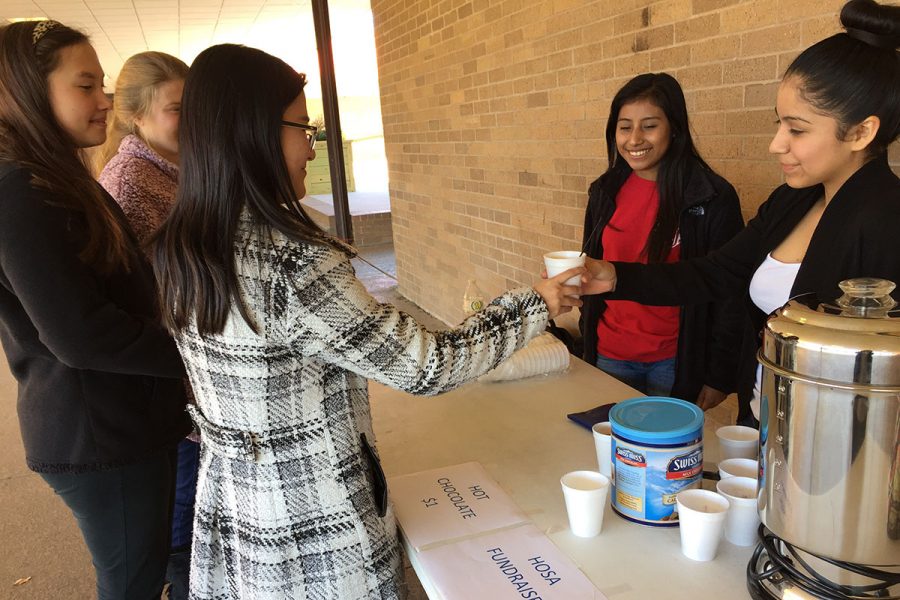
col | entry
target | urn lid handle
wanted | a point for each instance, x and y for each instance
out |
(868, 297)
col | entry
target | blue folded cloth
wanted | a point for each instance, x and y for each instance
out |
(589, 418)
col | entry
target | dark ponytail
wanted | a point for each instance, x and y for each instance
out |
(853, 75)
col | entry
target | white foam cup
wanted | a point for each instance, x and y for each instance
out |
(585, 493)
(742, 522)
(603, 445)
(737, 441)
(739, 467)
(701, 519)
(563, 260)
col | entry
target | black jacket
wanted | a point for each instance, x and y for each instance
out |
(856, 237)
(708, 334)
(99, 378)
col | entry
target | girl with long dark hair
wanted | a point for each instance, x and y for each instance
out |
(279, 337)
(838, 213)
(101, 404)
(659, 202)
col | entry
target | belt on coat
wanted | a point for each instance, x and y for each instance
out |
(244, 445)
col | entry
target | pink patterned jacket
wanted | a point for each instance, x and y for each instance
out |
(143, 183)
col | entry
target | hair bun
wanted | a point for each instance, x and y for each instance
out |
(872, 23)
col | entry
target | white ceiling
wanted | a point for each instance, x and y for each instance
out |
(183, 28)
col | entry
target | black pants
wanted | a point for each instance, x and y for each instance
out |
(125, 517)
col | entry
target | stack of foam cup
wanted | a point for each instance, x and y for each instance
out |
(544, 354)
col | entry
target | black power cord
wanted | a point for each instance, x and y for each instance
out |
(784, 566)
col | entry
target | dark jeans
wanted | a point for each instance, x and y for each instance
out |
(124, 515)
(650, 378)
(178, 569)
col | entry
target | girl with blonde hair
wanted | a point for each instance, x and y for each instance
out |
(138, 163)
(139, 168)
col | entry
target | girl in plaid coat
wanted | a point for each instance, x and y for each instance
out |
(279, 337)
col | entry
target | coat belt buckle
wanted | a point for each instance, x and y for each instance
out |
(248, 445)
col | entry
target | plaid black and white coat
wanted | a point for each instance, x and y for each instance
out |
(285, 508)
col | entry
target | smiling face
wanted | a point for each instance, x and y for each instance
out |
(807, 143)
(295, 144)
(642, 137)
(159, 126)
(75, 89)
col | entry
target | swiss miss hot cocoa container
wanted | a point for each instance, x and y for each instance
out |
(657, 451)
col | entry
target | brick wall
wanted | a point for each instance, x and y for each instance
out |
(494, 112)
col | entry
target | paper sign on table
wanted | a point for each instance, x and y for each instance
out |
(515, 564)
(449, 503)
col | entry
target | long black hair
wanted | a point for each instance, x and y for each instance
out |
(231, 158)
(662, 90)
(853, 75)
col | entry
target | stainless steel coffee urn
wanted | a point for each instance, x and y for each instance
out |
(830, 425)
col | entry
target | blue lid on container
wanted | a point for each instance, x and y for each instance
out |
(656, 419)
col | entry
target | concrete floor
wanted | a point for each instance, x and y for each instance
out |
(38, 535)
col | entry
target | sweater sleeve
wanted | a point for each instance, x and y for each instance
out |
(726, 315)
(65, 300)
(339, 321)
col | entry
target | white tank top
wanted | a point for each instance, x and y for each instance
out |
(770, 289)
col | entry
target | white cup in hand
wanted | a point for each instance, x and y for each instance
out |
(563, 260)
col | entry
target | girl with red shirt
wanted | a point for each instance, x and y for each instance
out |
(659, 202)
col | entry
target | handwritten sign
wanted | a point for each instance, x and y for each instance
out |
(515, 564)
(450, 503)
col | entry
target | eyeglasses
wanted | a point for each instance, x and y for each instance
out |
(310, 130)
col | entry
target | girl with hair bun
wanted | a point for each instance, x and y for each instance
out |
(101, 403)
(838, 213)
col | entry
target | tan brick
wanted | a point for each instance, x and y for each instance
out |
(720, 146)
(721, 98)
(819, 28)
(670, 58)
(790, 10)
(618, 46)
(701, 6)
(632, 21)
(784, 61)
(630, 66)
(669, 11)
(749, 122)
(763, 68)
(771, 39)
(760, 94)
(560, 60)
(653, 38)
(708, 123)
(749, 16)
(756, 147)
(705, 26)
(700, 77)
(715, 49)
